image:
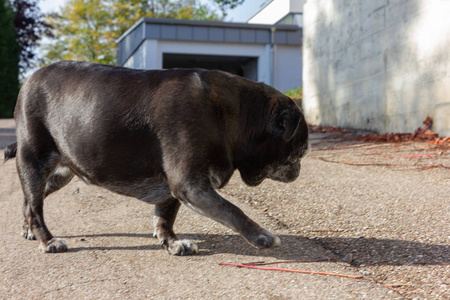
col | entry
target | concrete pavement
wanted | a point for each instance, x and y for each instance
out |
(388, 223)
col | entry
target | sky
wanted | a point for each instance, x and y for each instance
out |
(48, 6)
(240, 14)
(243, 12)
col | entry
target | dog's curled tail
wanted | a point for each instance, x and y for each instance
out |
(10, 151)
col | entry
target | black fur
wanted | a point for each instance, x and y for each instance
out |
(163, 136)
(10, 151)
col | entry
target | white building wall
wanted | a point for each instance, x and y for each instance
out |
(229, 49)
(381, 65)
(136, 61)
(276, 10)
(152, 54)
(287, 64)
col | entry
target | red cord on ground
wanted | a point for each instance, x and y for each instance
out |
(290, 270)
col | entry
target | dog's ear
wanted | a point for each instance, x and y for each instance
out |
(284, 123)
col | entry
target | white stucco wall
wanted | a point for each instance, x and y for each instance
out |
(381, 65)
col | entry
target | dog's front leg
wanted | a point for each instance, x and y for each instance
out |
(210, 204)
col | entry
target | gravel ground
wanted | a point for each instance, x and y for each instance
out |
(381, 210)
(385, 208)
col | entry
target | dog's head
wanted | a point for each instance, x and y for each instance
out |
(275, 151)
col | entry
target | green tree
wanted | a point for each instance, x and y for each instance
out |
(83, 31)
(225, 5)
(9, 61)
(30, 27)
(87, 29)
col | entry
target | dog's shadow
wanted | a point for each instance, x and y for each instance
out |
(358, 251)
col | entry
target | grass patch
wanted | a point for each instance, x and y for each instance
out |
(295, 93)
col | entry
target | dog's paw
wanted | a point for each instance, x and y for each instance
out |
(182, 247)
(27, 233)
(55, 245)
(267, 240)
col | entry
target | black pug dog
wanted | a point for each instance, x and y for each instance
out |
(165, 137)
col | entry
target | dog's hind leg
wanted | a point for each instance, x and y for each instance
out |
(165, 214)
(35, 167)
(60, 178)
